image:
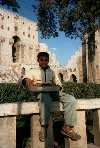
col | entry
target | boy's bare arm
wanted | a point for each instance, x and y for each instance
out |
(27, 82)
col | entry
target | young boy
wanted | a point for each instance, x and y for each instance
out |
(43, 75)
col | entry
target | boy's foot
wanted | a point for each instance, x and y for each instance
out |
(43, 134)
(67, 131)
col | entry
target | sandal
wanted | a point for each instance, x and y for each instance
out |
(71, 134)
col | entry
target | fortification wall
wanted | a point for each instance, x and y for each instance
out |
(19, 46)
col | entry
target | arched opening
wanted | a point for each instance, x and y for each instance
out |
(73, 78)
(61, 77)
(14, 50)
(23, 71)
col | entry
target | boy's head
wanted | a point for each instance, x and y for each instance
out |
(43, 54)
(43, 59)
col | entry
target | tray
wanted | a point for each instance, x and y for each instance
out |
(44, 88)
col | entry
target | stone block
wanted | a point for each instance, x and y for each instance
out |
(96, 127)
(80, 128)
(7, 132)
(35, 128)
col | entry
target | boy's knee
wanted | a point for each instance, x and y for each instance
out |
(43, 95)
(69, 98)
(72, 99)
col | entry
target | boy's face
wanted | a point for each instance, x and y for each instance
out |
(43, 61)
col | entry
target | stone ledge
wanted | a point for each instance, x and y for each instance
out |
(24, 108)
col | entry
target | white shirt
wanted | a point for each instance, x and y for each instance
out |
(38, 75)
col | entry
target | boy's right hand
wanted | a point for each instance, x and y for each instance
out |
(28, 83)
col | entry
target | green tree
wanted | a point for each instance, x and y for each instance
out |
(11, 4)
(74, 17)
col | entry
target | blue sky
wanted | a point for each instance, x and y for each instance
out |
(63, 47)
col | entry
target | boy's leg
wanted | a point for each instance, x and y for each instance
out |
(70, 116)
(69, 106)
(45, 102)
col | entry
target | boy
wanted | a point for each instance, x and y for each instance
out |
(43, 75)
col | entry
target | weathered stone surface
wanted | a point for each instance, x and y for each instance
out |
(81, 130)
(8, 124)
(79, 66)
(19, 46)
(91, 145)
(96, 127)
(35, 128)
(8, 132)
(25, 108)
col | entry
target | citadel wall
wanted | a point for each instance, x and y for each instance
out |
(77, 68)
(19, 46)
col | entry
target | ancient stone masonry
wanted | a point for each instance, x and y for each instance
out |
(19, 46)
(96, 64)
(77, 68)
(74, 68)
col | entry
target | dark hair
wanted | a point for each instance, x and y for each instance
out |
(43, 54)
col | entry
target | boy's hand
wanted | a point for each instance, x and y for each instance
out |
(28, 83)
(60, 88)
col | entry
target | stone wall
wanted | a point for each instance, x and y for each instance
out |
(77, 68)
(96, 63)
(73, 69)
(19, 46)
(18, 38)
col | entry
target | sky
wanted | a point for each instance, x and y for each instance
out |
(62, 46)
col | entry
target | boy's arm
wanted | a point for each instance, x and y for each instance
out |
(56, 80)
(28, 79)
(28, 83)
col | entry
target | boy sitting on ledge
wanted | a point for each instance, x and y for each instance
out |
(42, 76)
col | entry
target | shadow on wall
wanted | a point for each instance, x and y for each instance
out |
(14, 50)
(22, 74)
(73, 78)
(61, 77)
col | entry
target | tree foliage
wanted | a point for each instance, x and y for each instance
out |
(11, 4)
(73, 17)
